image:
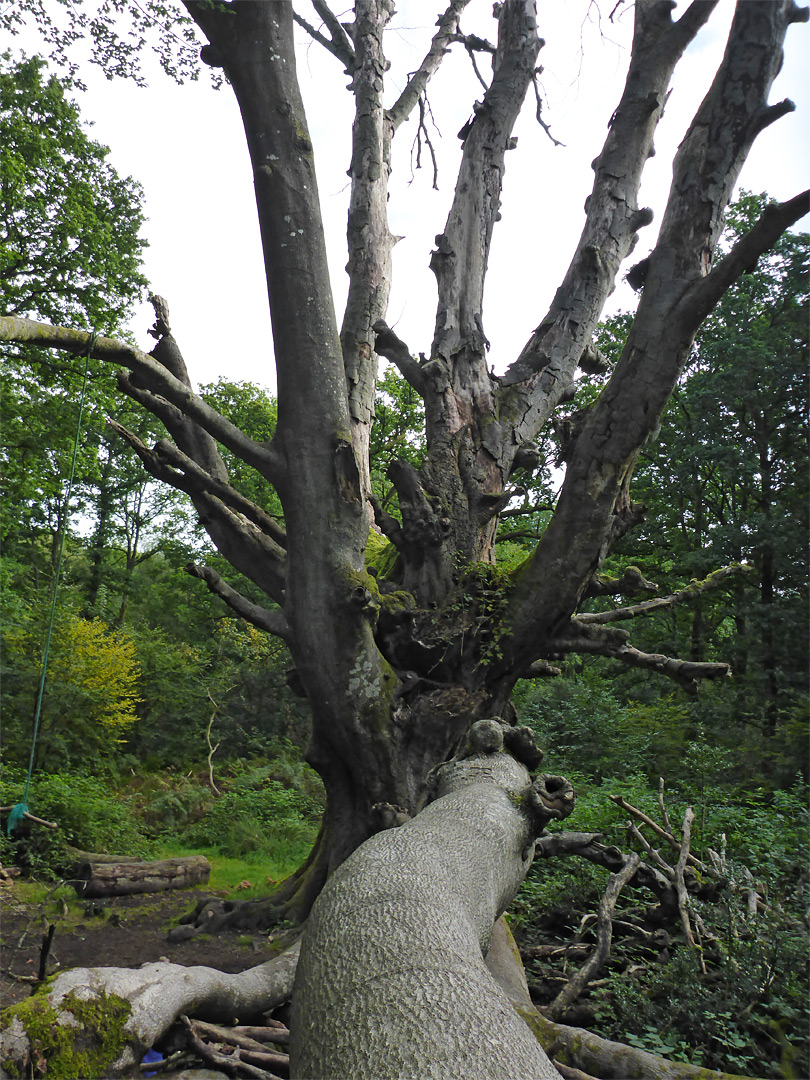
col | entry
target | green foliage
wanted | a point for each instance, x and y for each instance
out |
(749, 1013)
(257, 814)
(724, 481)
(91, 688)
(70, 251)
(255, 411)
(398, 432)
(89, 814)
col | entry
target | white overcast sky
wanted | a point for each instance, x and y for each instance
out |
(186, 147)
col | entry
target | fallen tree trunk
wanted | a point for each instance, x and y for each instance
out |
(391, 982)
(122, 878)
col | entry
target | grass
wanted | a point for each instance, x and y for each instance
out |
(246, 878)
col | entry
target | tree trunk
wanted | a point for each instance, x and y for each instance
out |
(413, 910)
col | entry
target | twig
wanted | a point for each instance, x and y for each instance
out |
(212, 749)
(654, 854)
(670, 839)
(229, 1063)
(604, 933)
(45, 952)
(279, 1035)
(539, 110)
(244, 1036)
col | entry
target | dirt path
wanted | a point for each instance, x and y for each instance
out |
(129, 931)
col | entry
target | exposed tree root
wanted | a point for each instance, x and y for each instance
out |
(157, 994)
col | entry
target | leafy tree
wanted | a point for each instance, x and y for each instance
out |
(91, 692)
(400, 667)
(725, 481)
(68, 252)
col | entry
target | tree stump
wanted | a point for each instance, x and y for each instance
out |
(96, 878)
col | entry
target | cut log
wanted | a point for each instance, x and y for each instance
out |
(95, 879)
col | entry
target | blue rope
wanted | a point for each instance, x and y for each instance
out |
(19, 811)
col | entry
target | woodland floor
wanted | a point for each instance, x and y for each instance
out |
(129, 931)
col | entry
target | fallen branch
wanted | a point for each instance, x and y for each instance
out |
(575, 1047)
(680, 885)
(604, 933)
(248, 1056)
(229, 1063)
(670, 839)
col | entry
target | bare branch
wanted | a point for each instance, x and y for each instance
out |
(112, 351)
(538, 110)
(447, 32)
(604, 934)
(693, 591)
(462, 250)
(387, 344)
(685, 672)
(240, 539)
(264, 618)
(194, 480)
(667, 836)
(680, 884)
(548, 360)
(340, 38)
(775, 219)
(338, 44)
(31, 817)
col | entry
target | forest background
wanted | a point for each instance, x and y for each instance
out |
(155, 692)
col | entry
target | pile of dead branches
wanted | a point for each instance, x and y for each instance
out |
(257, 1051)
(663, 864)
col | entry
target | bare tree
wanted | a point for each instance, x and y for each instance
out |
(399, 659)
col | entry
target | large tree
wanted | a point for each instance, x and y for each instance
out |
(403, 631)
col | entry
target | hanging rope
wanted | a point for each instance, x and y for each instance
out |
(19, 811)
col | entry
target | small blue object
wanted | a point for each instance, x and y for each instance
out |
(151, 1055)
(18, 812)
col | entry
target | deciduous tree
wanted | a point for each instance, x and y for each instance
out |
(399, 659)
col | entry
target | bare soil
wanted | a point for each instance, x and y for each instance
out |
(128, 931)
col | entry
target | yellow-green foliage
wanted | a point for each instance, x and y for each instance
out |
(92, 669)
(63, 1052)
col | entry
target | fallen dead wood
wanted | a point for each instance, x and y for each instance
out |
(95, 879)
(575, 1047)
(598, 957)
(158, 993)
(229, 1063)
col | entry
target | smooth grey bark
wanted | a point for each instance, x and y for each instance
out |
(391, 981)
(157, 993)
